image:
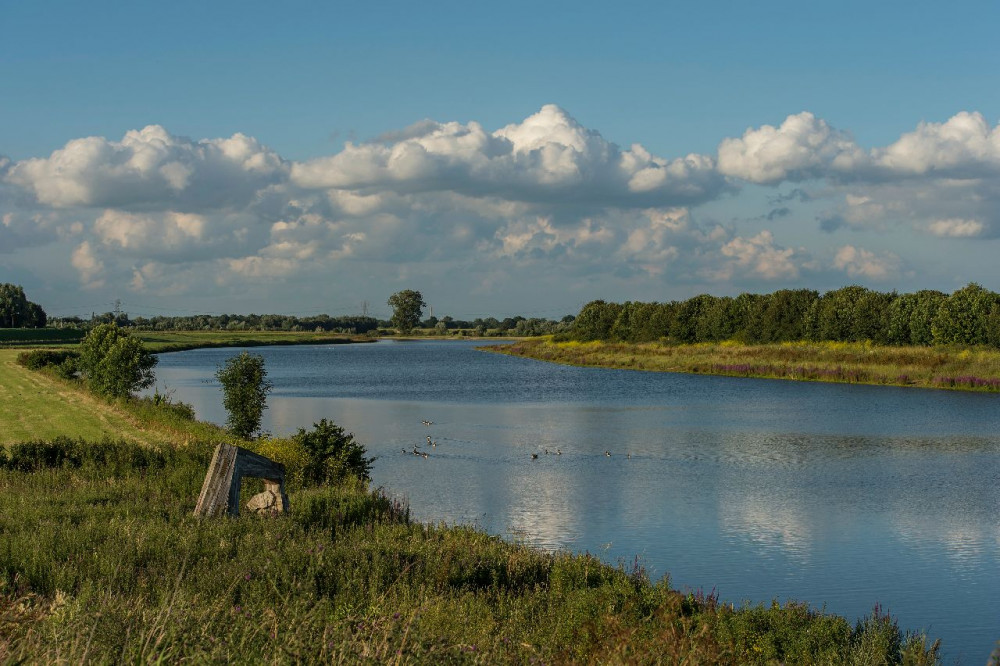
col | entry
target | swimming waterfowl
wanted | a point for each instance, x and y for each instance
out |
(607, 453)
(427, 423)
(534, 456)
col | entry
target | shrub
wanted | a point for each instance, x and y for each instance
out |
(333, 454)
(64, 363)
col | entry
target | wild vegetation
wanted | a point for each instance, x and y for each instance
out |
(101, 560)
(848, 362)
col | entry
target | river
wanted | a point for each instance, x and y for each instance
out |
(833, 494)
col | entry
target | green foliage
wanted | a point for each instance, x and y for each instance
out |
(333, 454)
(16, 311)
(596, 320)
(964, 317)
(245, 387)
(970, 316)
(782, 315)
(101, 561)
(65, 363)
(407, 306)
(115, 363)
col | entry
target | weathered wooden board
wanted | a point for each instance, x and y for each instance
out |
(220, 493)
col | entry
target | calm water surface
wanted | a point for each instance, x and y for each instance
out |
(758, 489)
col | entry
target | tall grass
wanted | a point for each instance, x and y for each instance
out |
(101, 560)
(975, 369)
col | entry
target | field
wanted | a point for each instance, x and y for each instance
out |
(858, 363)
(101, 560)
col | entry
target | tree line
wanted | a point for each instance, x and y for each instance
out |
(354, 324)
(969, 316)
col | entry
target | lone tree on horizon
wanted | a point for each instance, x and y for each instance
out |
(407, 308)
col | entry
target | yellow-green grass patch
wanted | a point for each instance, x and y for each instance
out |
(861, 363)
(34, 405)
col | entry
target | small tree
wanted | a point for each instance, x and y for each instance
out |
(244, 387)
(333, 454)
(115, 363)
(407, 306)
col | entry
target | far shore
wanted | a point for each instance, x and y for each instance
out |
(967, 369)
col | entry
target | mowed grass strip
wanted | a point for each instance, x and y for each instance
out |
(34, 405)
(858, 363)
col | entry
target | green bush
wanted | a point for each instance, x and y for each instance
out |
(333, 454)
(65, 362)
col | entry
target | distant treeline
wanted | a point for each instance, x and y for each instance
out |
(519, 326)
(969, 316)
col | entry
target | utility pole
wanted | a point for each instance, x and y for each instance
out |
(364, 308)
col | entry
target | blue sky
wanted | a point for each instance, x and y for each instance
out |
(501, 158)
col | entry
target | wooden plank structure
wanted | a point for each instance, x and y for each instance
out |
(220, 493)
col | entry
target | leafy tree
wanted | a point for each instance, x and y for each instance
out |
(871, 316)
(685, 325)
(244, 387)
(115, 363)
(833, 317)
(922, 318)
(596, 320)
(333, 454)
(407, 306)
(718, 321)
(963, 318)
(35, 316)
(16, 310)
(748, 311)
(783, 316)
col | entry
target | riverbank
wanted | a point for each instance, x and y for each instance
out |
(101, 560)
(172, 341)
(857, 363)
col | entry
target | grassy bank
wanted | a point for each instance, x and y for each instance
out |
(858, 363)
(168, 341)
(101, 560)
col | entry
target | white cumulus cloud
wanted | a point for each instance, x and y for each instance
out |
(802, 147)
(860, 263)
(548, 157)
(151, 169)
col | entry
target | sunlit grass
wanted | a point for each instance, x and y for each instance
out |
(861, 362)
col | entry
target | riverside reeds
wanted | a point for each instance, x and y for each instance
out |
(975, 369)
